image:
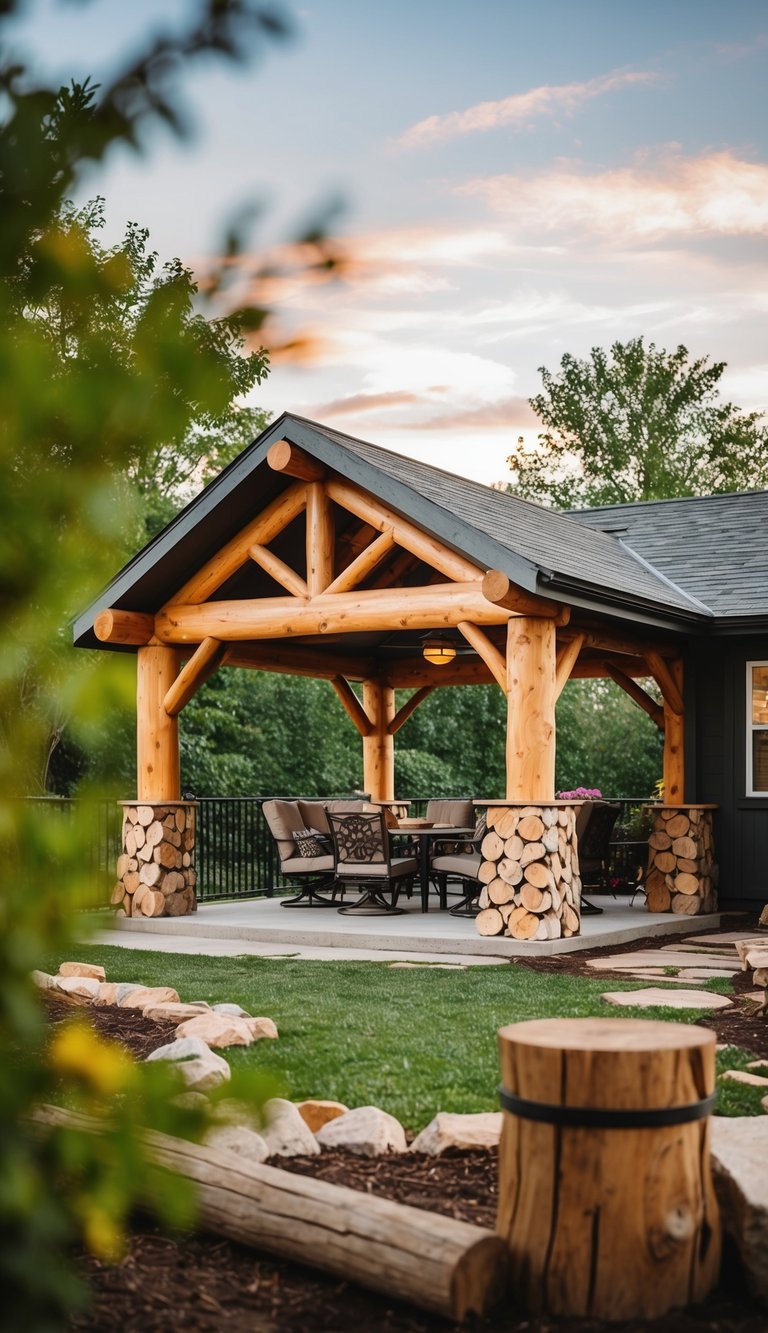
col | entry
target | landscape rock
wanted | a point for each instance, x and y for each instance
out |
(234, 1010)
(366, 1130)
(459, 1131)
(315, 1113)
(220, 1030)
(83, 970)
(140, 997)
(657, 997)
(743, 1076)
(285, 1133)
(740, 1172)
(168, 1012)
(44, 980)
(200, 1067)
(246, 1143)
(80, 988)
(122, 990)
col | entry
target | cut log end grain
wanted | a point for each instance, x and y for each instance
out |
(687, 884)
(492, 846)
(531, 828)
(489, 922)
(685, 905)
(500, 892)
(522, 924)
(678, 826)
(539, 875)
(510, 871)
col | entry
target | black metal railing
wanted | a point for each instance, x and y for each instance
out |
(235, 854)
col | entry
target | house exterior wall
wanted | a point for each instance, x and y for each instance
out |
(716, 763)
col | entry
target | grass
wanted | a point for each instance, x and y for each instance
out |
(412, 1041)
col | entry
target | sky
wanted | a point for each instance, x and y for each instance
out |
(505, 182)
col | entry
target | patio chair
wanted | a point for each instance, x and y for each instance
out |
(594, 826)
(462, 860)
(363, 856)
(306, 855)
(457, 813)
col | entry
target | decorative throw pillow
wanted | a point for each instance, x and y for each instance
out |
(306, 840)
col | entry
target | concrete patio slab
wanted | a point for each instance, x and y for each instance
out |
(261, 922)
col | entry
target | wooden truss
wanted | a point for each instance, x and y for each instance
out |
(362, 582)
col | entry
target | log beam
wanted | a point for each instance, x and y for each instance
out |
(126, 627)
(565, 661)
(530, 709)
(260, 531)
(352, 706)
(393, 609)
(359, 568)
(278, 570)
(486, 651)
(637, 693)
(157, 733)
(296, 660)
(410, 706)
(413, 672)
(421, 544)
(379, 746)
(500, 590)
(664, 673)
(291, 461)
(202, 664)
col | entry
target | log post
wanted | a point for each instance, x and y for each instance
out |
(530, 709)
(157, 735)
(379, 746)
(604, 1219)
(674, 743)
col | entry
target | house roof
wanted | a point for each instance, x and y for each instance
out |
(714, 546)
(568, 557)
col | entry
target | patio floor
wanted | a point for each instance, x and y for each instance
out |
(263, 926)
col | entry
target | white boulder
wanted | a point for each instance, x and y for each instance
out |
(219, 1029)
(740, 1171)
(246, 1143)
(459, 1131)
(199, 1066)
(366, 1130)
(285, 1133)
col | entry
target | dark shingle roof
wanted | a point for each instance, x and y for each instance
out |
(675, 563)
(714, 546)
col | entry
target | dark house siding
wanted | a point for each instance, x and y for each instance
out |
(717, 763)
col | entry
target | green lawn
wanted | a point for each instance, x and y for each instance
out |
(413, 1041)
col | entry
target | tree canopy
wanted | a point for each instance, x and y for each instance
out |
(636, 422)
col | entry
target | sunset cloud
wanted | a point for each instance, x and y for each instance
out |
(519, 111)
(717, 194)
(513, 413)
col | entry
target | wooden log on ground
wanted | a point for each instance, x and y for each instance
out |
(607, 1222)
(434, 1262)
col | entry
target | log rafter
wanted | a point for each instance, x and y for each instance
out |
(665, 675)
(486, 651)
(567, 656)
(637, 693)
(202, 664)
(410, 706)
(352, 706)
(278, 570)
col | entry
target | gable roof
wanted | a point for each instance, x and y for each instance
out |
(565, 556)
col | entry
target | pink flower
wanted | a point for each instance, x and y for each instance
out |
(581, 794)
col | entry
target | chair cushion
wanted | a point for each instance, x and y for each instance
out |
(284, 820)
(459, 814)
(466, 865)
(306, 865)
(314, 816)
(400, 865)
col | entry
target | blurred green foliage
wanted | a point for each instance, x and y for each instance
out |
(105, 364)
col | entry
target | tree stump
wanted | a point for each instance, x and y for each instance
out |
(607, 1220)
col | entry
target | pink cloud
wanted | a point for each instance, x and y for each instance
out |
(520, 110)
(358, 403)
(716, 194)
(513, 412)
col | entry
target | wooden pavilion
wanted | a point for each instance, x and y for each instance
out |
(318, 554)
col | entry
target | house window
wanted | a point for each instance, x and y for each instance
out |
(757, 728)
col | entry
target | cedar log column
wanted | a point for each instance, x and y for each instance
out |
(674, 744)
(379, 747)
(530, 710)
(157, 735)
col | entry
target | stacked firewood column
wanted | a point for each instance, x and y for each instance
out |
(155, 872)
(682, 874)
(530, 873)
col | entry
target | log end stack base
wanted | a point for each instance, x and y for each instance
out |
(682, 875)
(155, 870)
(530, 872)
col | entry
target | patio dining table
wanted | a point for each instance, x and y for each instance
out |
(419, 831)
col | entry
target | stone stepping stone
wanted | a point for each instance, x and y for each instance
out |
(656, 997)
(705, 974)
(658, 975)
(743, 1076)
(652, 958)
(726, 937)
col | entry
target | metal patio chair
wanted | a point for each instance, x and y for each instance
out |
(363, 856)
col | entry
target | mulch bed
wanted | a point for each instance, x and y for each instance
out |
(201, 1284)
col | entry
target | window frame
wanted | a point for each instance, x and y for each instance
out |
(753, 727)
